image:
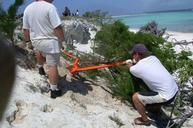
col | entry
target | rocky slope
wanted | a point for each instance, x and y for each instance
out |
(85, 103)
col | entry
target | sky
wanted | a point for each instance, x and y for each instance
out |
(113, 7)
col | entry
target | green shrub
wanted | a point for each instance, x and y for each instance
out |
(122, 86)
(8, 21)
(113, 41)
(97, 16)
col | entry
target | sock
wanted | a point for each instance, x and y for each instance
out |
(54, 87)
(39, 65)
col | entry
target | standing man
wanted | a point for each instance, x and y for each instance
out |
(77, 13)
(43, 32)
(162, 85)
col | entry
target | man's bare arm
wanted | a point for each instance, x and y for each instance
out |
(60, 34)
(26, 33)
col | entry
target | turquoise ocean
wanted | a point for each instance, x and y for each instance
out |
(179, 21)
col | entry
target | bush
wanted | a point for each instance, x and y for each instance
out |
(97, 16)
(113, 41)
(8, 21)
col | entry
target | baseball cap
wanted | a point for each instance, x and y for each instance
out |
(139, 48)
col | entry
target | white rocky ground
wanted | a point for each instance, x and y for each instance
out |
(84, 104)
(87, 48)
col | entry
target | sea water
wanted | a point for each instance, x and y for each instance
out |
(180, 21)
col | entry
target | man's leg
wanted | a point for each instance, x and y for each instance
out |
(53, 74)
(40, 61)
(52, 61)
(139, 106)
(142, 99)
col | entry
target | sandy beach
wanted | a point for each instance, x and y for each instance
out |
(177, 37)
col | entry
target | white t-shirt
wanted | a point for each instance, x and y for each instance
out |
(156, 77)
(41, 17)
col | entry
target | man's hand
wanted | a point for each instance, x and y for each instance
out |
(29, 45)
(129, 62)
(63, 45)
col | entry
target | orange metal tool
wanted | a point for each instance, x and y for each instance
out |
(75, 67)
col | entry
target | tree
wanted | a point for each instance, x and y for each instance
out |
(97, 15)
(66, 12)
(152, 28)
(8, 21)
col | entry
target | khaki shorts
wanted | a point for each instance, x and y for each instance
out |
(49, 49)
(150, 98)
(52, 59)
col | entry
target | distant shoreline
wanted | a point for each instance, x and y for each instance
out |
(150, 12)
(174, 34)
(178, 10)
(178, 20)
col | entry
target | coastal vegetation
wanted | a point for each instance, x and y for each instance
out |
(97, 16)
(8, 21)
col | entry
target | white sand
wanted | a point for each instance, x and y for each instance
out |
(176, 37)
(179, 36)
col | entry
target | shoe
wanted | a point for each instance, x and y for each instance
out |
(41, 71)
(56, 93)
(140, 121)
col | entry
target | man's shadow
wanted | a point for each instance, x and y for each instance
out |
(159, 117)
(77, 84)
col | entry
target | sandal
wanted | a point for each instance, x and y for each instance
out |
(140, 121)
